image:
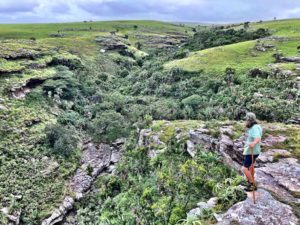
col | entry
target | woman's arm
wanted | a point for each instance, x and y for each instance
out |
(255, 142)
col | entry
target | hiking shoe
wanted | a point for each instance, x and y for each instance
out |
(249, 187)
(244, 183)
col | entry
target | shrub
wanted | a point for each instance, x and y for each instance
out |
(108, 126)
(62, 139)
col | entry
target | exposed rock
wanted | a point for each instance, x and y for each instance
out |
(94, 161)
(52, 166)
(201, 206)
(271, 140)
(115, 156)
(32, 122)
(58, 214)
(5, 210)
(112, 43)
(163, 41)
(80, 182)
(2, 107)
(266, 211)
(202, 136)
(144, 137)
(191, 148)
(20, 91)
(282, 178)
(118, 142)
(227, 130)
(14, 219)
(271, 154)
(288, 59)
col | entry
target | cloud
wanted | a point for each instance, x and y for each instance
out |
(15, 6)
(184, 10)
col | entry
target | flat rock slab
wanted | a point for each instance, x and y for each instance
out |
(266, 211)
(285, 174)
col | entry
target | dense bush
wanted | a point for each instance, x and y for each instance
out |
(217, 37)
(160, 190)
(62, 139)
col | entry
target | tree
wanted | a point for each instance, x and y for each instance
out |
(62, 139)
(108, 126)
(246, 25)
(229, 76)
(138, 45)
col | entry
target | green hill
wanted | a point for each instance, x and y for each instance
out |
(244, 56)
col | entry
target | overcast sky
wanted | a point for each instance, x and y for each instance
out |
(211, 11)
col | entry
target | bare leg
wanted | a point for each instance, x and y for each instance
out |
(247, 173)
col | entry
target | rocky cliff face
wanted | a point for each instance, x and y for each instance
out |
(277, 169)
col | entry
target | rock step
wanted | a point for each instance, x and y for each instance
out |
(267, 210)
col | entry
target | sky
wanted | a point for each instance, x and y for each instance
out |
(205, 11)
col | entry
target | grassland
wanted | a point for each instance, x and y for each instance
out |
(79, 37)
(242, 56)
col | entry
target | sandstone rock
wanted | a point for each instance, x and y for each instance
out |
(281, 177)
(115, 156)
(289, 59)
(5, 210)
(191, 148)
(144, 137)
(52, 166)
(111, 169)
(2, 107)
(266, 211)
(202, 137)
(58, 214)
(269, 155)
(151, 153)
(201, 206)
(271, 140)
(119, 142)
(94, 160)
(80, 182)
(227, 130)
(112, 43)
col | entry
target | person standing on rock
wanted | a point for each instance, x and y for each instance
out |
(253, 142)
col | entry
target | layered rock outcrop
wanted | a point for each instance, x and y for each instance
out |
(277, 172)
(94, 160)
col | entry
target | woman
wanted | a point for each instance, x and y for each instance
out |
(253, 142)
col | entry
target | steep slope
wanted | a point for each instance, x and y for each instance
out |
(276, 171)
(47, 76)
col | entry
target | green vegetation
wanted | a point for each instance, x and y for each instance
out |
(62, 87)
(242, 56)
(160, 190)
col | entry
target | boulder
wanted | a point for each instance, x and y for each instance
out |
(191, 148)
(58, 214)
(272, 154)
(2, 107)
(266, 211)
(271, 140)
(282, 178)
(289, 59)
(201, 206)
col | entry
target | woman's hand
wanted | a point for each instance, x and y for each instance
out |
(252, 144)
(255, 142)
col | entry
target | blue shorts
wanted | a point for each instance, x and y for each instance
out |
(248, 160)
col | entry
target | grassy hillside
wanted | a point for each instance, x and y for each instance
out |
(243, 56)
(79, 37)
